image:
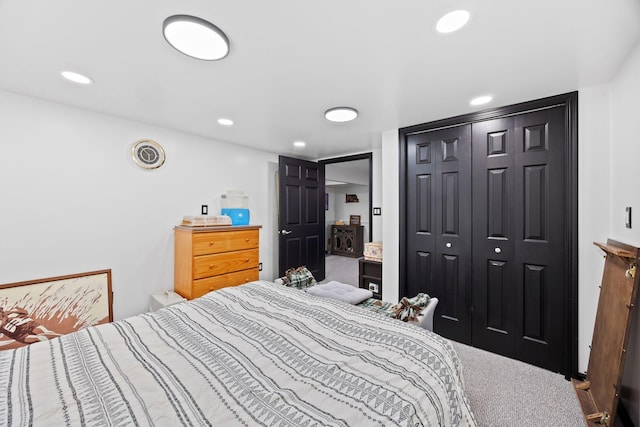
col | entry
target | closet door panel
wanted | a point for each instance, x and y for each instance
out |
(439, 225)
(421, 172)
(494, 290)
(540, 247)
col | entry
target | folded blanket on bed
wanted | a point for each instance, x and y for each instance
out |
(299, 277)
(410, 308)
(340, 291)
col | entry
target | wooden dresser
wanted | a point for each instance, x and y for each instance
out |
(210, 258)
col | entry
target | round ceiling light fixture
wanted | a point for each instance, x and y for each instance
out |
(299, 144)
(341, 114)
(480, 100)
(196, 37)
(453, 21)
(76, 77)
(225, 122)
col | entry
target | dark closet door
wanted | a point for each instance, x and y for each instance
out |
(439, 225)
(519, 289)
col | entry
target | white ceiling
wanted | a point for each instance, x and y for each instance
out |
(290, 60)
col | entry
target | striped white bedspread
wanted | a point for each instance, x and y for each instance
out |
(257, 354)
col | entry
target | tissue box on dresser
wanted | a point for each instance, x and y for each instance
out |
(373, 251)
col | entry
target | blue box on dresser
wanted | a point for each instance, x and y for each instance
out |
(238, 216)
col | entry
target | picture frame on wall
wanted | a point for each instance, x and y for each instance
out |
(351, 198)
(354, 219)
(39, 310)
(326, 201)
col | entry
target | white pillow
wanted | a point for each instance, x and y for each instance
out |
(341, 291)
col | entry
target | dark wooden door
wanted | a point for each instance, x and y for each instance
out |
(439, 225)
(301, 215)
(519, 287)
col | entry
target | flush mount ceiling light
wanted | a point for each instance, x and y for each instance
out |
(300, 144)
(196, 37)
(481, 100)
(225, 122)
(452, 21)
(341, 114)
(76, 78)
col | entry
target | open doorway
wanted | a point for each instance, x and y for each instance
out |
(348, 214)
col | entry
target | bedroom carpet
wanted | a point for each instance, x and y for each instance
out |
(506, 392)
(502, 392)
(341, 269)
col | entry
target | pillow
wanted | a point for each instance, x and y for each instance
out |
(341, 292)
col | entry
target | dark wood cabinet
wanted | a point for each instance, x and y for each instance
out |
(371, 276)
(347, 240)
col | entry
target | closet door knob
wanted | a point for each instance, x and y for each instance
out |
(497, 250)
(448, 245)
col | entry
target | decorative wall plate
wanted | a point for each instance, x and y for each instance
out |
(148, 154)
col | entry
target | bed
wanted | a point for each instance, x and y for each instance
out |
(256, 354)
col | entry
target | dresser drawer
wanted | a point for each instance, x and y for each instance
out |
(203, 286)
(216, 264)
(224, 241)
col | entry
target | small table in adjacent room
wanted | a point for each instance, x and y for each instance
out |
(347, 240)
(371, 276)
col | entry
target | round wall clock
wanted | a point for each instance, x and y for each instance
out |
(148, 154)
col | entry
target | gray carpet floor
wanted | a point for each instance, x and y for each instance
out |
(502, 392)
(506, 392)
(341, 269)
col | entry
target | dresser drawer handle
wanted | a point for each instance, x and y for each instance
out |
(247, 260)
(210, 265)
(247, 239)
(211, 243)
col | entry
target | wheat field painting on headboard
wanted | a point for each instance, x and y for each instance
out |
(43, 309)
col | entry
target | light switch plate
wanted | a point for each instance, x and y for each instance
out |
(628, 217)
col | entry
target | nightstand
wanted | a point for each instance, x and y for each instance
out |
(371, 276)
(165, 299)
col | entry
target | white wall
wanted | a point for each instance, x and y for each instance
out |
(343, 210)
(376, 194)
(391, 215)
(352, 171)
(625, 175)
(593, 207)
(72, 200)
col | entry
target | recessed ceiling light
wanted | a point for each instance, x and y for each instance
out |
(299, 144)
(196, 37)
(341, 114)
(452, 21)
(75, 77)
(225, 122)
(481, 100)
